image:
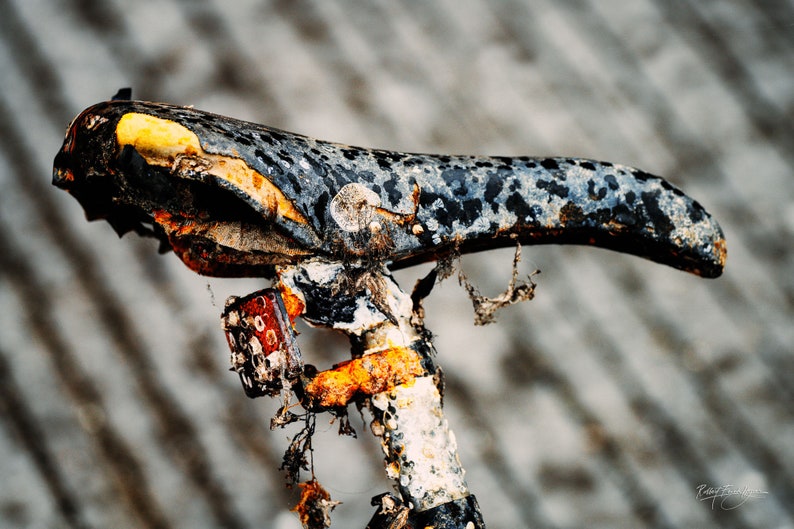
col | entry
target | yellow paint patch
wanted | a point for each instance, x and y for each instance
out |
(153, 136)
(166, 143)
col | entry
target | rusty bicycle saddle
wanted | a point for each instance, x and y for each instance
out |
(233, 198)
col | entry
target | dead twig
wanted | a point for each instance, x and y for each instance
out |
(517, 291)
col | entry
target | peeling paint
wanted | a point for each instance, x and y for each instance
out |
(304, 197)
(165, 143)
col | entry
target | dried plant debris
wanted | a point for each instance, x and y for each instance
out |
(372, 280)
(517, 291)
(345, 428)
(283, 417)
(298, 455)
(315, 505)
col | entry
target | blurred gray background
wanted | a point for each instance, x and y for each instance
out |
(605, 402)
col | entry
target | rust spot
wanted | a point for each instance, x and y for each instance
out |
(195, 258)
(404, 218)
(571, 213)
(315, 505)
(172, 226)
(292, 302)
(368, 375)
(271, 338)
(64, 175)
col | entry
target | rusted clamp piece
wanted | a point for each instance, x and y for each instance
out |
(369, 307)
(265, 354)
(264, 351)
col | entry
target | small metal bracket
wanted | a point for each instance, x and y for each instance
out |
(264, 351)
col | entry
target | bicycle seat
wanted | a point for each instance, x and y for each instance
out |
(233, 198)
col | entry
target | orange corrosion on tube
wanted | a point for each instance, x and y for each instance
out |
(292, 302)
(368, 375)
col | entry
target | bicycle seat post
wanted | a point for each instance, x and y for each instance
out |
(393, 373)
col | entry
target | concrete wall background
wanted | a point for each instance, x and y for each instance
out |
(604, 402)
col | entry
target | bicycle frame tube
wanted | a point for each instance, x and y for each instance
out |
(420, 448)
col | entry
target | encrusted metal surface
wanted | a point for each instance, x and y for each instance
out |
(392, 373)
(421, 450)
(235, 198)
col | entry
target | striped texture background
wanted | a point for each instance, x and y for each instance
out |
(604, 402)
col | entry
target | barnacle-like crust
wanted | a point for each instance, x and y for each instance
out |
(412, 207)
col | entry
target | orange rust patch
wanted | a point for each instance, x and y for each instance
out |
(65, 175)
(315, 505)
(195, 260)
(179, 231)
(292, 302)
(171, 226)
(403, 218)
(368, 375)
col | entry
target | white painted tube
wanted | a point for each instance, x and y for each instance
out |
(421, 450)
